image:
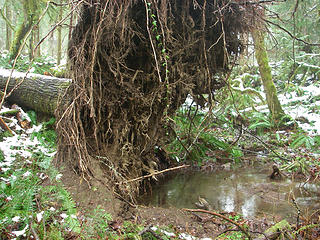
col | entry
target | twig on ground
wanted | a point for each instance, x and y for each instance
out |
(223, 217)
(155, 173)
(5, 126)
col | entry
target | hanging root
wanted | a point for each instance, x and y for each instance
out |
(133, 63)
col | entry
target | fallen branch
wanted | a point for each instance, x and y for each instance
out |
(223, 217)
(5, 126)
(155, 173)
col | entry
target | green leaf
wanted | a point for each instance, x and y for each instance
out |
(278, 136)
(317, 139)
(259, 125)
(236, 153)
(33, 116)
(298, 141)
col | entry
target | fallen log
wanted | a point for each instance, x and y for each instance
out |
(38, 92)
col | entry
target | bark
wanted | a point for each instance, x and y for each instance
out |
(35, 39)
(59, 32)
(265, 73)
(31, 15)
(8, 27)
(38, 92)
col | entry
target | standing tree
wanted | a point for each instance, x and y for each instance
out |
(266, 76)
(59, 32)
(9, 27)
(6, 14)
(31, 16)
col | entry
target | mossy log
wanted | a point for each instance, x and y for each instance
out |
(38, 92)
(280, 230)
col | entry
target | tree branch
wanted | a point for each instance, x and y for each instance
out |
(290, 34)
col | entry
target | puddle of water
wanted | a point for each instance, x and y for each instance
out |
(247, 191)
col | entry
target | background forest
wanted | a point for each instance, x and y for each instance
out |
(268, 111)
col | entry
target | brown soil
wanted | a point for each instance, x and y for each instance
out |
(88, 197)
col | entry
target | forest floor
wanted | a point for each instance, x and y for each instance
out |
(171, 223)
(39, 200)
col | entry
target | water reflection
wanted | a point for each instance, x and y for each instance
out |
(247, 191)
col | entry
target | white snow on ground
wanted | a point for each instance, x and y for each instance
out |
(40, 216)
(20, 145)
(298, 106)
(302, 107)
(20, 233)
(21, 75)
(184, 236)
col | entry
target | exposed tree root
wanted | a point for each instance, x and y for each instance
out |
(133, 63)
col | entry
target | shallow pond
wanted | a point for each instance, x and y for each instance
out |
(247, 190)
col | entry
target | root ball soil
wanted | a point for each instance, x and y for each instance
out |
(133, 63)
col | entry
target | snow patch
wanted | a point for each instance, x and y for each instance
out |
(16, 219)
(20, 233)
(40, 216)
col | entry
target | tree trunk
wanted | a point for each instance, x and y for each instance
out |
(38, 92)
(8, 28)
(70, 27)
(266, 77)
(59, 32)
(36, 39)
(31, 15)
(31, 40)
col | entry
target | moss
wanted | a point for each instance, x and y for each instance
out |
(266, 77)
(31, 15)
(20, 33)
